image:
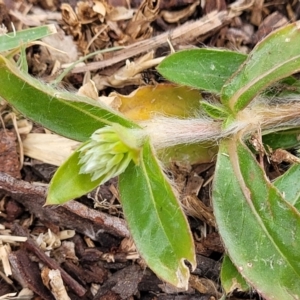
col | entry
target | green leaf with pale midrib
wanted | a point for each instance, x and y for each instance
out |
(274, 58)
(16, 39)
(214, 111)
(288, 185)
(231, 279)
(285, 139)
(70, 115)
(68, 184)
(205, 69)
(155, 219)
(259, 228)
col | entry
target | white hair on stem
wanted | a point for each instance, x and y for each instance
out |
(165, 132)
(269, 115)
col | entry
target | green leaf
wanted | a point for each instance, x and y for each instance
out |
(231, 279)
(156, 220)
(205, 69)
(285, 139)
(216, 112)
(68, 184)
(189, 154)
(22, 61)
(274, 58)
(16, 39)
(288, 185)
(70, 115)
(260, 230)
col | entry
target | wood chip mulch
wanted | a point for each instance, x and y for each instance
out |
(83, 249)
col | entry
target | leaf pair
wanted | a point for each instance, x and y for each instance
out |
(150, 204)
(260, 229)
(155, 219)
(259, 226)
(236, 77)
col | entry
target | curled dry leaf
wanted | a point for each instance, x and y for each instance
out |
(139, 27)
(73, 25)
(100, 36)
(204, 286)
(102, 8)
(120, 13)
(69, 16)
(89, 89)
(281, 155)
(85, 12)
(127, 245)
(112, 101)
(130, 74)
(177, 16)
(194, 207)
(86, 24)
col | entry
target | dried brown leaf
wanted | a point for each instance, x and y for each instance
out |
(85, 12)
(177, 16)
(139, 27)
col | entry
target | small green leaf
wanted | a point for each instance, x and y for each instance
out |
(16, 39)
(274, 58)
(156, 220)
(231, 279)
(288, 185)
(70, 115)
(22, 62)
(286, 139)
(205, 69)
(216, 112)
(189, 154)
(260, 230)
(68, 184)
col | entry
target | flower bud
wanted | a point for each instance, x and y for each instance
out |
(109, 151)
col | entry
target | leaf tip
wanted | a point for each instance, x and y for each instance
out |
(183, 273)
(52, 28)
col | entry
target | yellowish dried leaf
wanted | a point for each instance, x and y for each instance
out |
(89, 90)
(49, 148)
(120, 13)
(165, 99)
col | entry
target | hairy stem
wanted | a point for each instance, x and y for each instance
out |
(166, 132)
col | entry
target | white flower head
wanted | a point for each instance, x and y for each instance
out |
(109, 151)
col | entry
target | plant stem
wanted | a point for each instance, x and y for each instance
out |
(165, 132)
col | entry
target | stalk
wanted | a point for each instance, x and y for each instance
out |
(166, 132)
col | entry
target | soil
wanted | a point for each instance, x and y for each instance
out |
(87, 240)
